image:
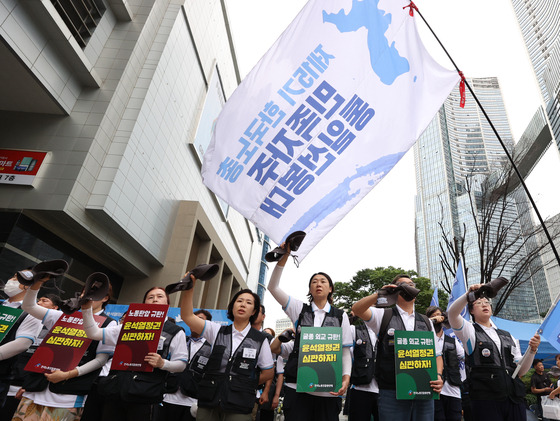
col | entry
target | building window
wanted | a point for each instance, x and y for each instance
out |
(80, 16)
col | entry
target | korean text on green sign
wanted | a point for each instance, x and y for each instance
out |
(320, 359)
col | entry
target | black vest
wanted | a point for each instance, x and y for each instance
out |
(385, 360)
(231, 382)
(451, 371)
(306, 319)
(489, 369)
(8, 371)
(138, 386)
(23, 359)
(363, 366)
(191, 377)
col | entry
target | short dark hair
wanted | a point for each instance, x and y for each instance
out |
(262, 309)
(432, 309)
(557, 356)
(151, 289)
(329, 297)
(535, 362)
(205, 312)
(55, 299)
(256, 303)
(400, 276)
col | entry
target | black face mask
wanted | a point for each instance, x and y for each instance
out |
(407, 296)
(438, 327)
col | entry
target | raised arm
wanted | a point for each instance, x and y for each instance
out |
(273, 284)
(29, 304)
(195, 323)
(361, 307)
(90, 326)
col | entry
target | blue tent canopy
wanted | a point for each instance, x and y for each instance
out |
(525, 331)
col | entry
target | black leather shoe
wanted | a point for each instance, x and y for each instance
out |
(53, 268)
(489, 290)
(386, 297)
(294, 240)
(202, 272)
(287, 336)
(96, 288)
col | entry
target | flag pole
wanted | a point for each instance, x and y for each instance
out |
(522, 181)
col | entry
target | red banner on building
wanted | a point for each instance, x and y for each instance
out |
(19, 167)
(64, 346)
(139, 335)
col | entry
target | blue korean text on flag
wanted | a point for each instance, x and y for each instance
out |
(550, 327)
(435, 298)
(327, 112)
(458, 289)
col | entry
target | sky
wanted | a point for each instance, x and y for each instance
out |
(483, 39)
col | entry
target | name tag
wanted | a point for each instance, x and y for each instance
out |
(249, 353)
(160, 343)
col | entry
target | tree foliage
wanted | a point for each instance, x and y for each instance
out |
(367, 281)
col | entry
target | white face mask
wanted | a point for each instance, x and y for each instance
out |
(12, 288)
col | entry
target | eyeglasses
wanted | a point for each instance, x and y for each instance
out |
(482, 303)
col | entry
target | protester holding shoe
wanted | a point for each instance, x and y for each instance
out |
(492, 356)
(20, 337)
(61, 395)
(25, 330)
(130, 395)
(49, 301)
(240, 358)
(384, 322)
(321, 406)
(180, 399)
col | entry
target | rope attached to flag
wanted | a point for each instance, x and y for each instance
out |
(412, 8)
(462, 89)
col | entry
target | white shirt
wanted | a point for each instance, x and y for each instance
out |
(59, 400)
(210, 333)
(29, 328)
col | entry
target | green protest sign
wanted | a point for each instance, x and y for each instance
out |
(320, 359)
(8, 316)
(415, 364)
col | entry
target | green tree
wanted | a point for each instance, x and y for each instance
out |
(367, 281)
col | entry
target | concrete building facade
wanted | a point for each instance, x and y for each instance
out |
(120, 95)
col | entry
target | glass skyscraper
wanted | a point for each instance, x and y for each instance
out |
(539, 21)
(453, 157)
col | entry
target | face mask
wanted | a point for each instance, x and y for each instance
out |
(12, 288)
(437, 327)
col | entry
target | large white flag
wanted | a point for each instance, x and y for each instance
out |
(324, 116)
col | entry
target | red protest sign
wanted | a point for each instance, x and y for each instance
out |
(64, 346)
(139, 335)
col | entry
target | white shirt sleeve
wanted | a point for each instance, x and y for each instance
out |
(29, 328)
(374, 323)
(293, 309)
(210, 331)
(178, 350)
(265, 360)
